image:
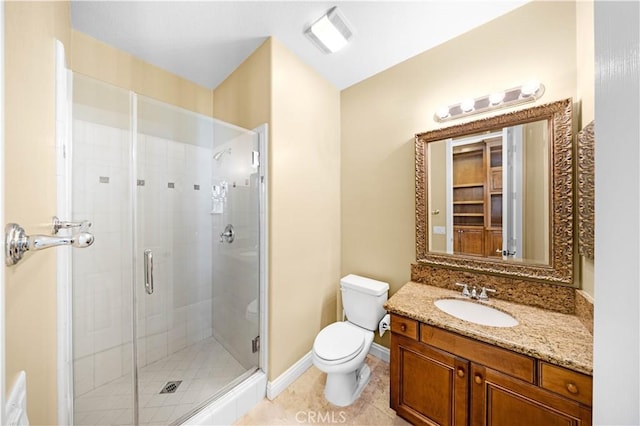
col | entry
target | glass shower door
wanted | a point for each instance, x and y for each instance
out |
(102, 276)
(235, 213)
(166, 302)
(184, 358)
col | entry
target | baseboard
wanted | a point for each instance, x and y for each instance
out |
(277, 386)
(380, 352)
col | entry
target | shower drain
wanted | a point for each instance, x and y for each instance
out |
(171, 387)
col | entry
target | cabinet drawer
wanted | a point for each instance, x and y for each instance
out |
(404, 326)
(565, 382)
(503, 360)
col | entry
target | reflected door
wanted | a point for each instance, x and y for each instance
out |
(513, 192)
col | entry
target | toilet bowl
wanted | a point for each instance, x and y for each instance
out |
(340, 348)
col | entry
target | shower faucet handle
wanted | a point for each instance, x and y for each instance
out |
(228, 235)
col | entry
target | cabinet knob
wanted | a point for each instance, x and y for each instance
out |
(478, 379)
(403, 327)
(572, 388)
(460, 372)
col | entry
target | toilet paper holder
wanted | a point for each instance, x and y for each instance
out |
(385, 324)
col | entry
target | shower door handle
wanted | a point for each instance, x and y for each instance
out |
(148, 271)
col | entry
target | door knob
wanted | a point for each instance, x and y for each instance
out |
(17, 242)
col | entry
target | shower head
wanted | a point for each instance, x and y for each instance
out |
(219, 154)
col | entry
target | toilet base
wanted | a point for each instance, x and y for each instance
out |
(343, 389)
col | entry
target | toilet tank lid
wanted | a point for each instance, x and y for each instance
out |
(365, 285)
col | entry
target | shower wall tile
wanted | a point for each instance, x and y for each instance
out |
(177, 337)
(108, 366)
(126, 353)
(142, 351)
(156, 347)
(157, 323)
(83, 375)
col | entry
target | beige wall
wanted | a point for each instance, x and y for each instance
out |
(244, 98)
(30, 197)
(381, 115)
(303, 112)
(305, 208)
(585, 52)
(437, 172)
(106, 63)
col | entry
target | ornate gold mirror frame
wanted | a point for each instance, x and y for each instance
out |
(586, 191)
(560, 267)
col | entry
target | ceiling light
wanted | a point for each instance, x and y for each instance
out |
(528, 92)
(331, 32)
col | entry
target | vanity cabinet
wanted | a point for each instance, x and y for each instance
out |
(442, 378)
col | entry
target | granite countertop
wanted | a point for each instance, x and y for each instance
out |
(554, 337)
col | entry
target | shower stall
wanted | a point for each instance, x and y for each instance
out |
(166, 304)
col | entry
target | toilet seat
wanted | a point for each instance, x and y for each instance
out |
(338, 342)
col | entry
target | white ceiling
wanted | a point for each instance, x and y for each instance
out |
(205, 41)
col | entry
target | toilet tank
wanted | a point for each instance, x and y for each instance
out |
(363, 300)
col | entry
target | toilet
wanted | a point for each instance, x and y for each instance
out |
(340, 348)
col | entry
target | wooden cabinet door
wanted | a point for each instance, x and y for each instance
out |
(493, 243)
(499, 400)
(428, 386)
(472, 241)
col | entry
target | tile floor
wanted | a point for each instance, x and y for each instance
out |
(204, 368)
(303, 403)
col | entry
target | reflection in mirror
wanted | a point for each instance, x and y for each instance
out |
(489, 194)
(495, 195)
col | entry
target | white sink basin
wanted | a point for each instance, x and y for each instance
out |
(476, 313)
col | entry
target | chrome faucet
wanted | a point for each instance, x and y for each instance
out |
(465, 289)
(483, 294)
(473, 294)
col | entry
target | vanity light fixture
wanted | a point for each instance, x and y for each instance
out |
(330, 33)
(528, 92)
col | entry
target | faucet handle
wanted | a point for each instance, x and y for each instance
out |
(465, 290)
(483, 293)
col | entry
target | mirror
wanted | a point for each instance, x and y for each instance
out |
(496, 195)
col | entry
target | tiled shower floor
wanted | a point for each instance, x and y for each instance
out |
(204, 368)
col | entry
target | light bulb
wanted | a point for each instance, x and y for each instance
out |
(467, 105)
(496, 98)
(529, 88)
(442, 112)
